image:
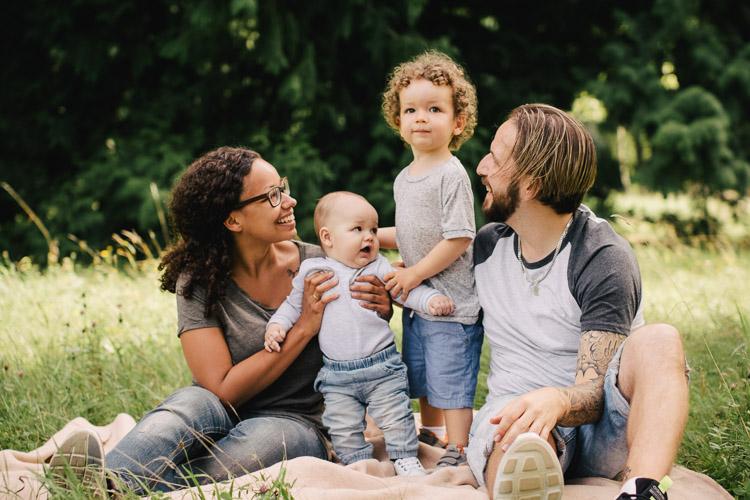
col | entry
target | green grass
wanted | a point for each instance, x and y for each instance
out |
(707, 297)
(93, 342)
(96, 341)
(65, 483)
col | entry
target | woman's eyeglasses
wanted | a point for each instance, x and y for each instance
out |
(273, 195)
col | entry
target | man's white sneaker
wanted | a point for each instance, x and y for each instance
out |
(529, 470)
(409, 466)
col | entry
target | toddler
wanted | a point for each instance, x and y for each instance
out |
(432, 105)
(362, 370)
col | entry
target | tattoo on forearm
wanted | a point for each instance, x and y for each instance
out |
(587, 395)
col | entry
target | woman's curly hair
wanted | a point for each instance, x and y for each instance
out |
(201, 201)
(440, 70)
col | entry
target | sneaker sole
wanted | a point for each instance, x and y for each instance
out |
(82, 455)
(529, 470)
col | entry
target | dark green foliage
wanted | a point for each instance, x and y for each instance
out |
(691, 146)
(675, 75)
(101, 99)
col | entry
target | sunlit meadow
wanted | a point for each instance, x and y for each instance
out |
(98, 340)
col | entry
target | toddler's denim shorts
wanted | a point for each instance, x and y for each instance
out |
(442, 358)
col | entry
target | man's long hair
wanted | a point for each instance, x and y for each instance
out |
(556, 153)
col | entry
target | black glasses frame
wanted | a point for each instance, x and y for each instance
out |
(273, 193)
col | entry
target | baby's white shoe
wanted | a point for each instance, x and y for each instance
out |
(409, 466)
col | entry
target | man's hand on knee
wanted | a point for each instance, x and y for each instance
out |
(537, 411)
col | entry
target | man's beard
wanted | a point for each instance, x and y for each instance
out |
(503, 206)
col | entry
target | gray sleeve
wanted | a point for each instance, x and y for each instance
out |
(418, 298)
(607, 288)
(457, 218)
(291, 309)
(191, 312)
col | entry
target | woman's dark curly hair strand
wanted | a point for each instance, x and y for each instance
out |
(204, 196)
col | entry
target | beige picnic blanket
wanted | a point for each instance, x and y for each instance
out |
(317, 479)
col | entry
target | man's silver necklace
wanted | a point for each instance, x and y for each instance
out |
(534, 283)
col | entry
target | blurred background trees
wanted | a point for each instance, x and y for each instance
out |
(102, 99)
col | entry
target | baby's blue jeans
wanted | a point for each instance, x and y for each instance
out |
(376, 384)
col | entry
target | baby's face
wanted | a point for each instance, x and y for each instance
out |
(353, 229)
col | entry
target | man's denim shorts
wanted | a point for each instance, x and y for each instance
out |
(599, 449)
(442, 358)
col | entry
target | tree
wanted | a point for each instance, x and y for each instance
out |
(101, 98)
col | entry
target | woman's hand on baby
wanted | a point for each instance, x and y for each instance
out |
(440, 305)
(275, 335)
(371, 293)
(401, 281)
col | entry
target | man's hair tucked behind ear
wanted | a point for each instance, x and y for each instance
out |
(439, 69)
(556, 153)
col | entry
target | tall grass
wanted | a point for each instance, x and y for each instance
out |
(101, 340)
(707, 296)
(91, 342)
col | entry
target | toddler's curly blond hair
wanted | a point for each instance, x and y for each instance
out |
(440, 70)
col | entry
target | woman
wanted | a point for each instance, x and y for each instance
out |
(232, 268)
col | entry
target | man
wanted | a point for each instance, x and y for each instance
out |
(577, 381)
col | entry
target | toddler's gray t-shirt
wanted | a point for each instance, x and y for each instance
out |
(432, 207)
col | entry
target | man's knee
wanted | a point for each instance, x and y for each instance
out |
(658, 340)
(649, 350)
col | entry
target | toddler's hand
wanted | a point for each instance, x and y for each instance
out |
(401, 281)
(440, 305)
(275, 335)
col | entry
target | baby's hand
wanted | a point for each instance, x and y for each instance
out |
(275, 335)
(401, 281)
(440, 305)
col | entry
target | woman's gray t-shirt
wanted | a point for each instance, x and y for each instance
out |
(243, 323)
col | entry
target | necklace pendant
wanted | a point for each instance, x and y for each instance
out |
(535, 289)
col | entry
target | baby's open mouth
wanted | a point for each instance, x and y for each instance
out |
(365, 249)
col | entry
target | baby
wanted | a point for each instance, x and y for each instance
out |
(362, 370)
